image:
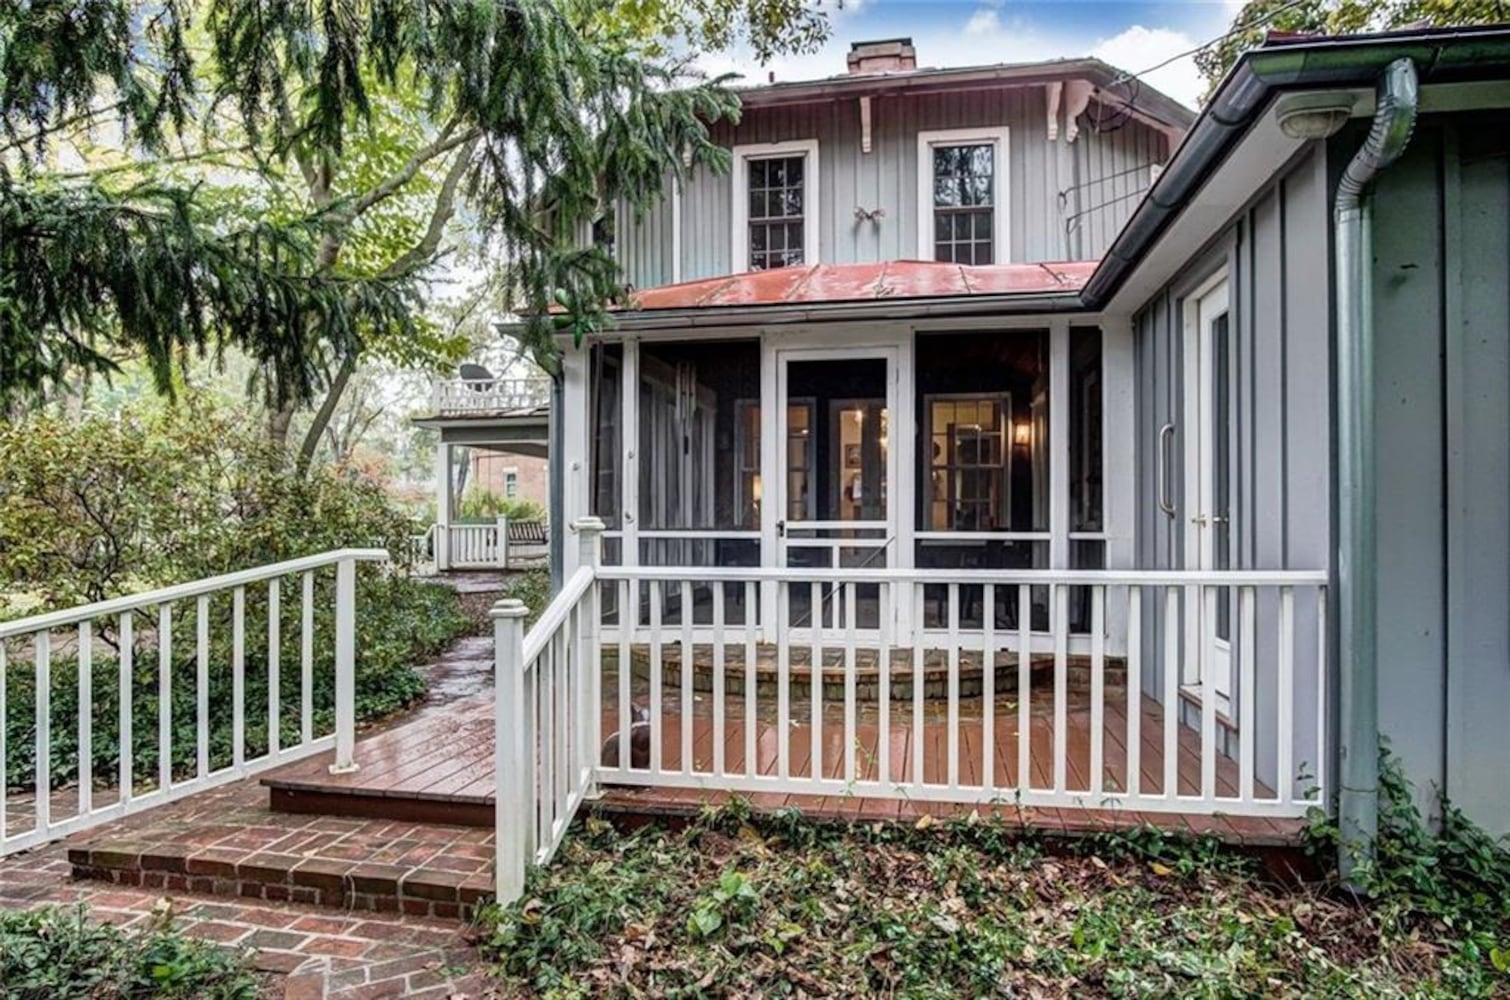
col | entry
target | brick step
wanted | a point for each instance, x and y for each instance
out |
(426, 889)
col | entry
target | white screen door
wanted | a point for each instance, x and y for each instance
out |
(836, 477)
(1208, 485)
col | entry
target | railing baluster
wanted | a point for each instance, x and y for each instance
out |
(783, 681)
(951, 734)
(752, 692)
(919, 671)
(656, 722)
(1134, 783)
(626, 671)
(1098, 693)
(815, 683)
(718, 678)
(688, 713)
(1024, 686)
(988, 688)
(1172, 637)
(1284, 701)
(85, 745)
(4, 747)
(1061, 601)
(43, 702)
(126, 671)
(202, 687)
(850, 732)
(238, 677)
(883, 691)
(274, 665)
(1322, 647)
(164, 697)
(1247, 733)
(307, 659)
(345, 667)
(1207, 635)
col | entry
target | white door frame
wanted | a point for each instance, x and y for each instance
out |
(1208, 302)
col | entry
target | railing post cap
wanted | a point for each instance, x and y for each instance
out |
(589, 524)
(509, 607)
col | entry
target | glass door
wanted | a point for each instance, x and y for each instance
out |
(836, 504)
(1209, 488)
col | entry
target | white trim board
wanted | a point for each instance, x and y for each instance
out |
(740, 248)
(999, 136)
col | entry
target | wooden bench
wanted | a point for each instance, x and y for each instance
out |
(529, 533)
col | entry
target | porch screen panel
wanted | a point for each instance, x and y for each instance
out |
(605, 372)
(983, 466)
(698, 453)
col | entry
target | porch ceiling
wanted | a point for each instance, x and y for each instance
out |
(900, 279)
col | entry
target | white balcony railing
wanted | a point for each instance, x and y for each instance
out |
(462, 396)
(287, 628)
(1196, 693)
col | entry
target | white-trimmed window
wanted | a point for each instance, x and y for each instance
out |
(962, 196)
(511, 483)
(775, 205)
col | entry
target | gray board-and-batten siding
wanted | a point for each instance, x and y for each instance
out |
(1066, 201)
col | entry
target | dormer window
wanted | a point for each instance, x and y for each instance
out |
(962, 196)
(775, 205)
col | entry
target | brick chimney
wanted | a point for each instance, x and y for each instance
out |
(886, 55)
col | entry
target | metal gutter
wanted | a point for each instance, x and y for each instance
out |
(1352, 218)
(1441, 55)
(707, 317)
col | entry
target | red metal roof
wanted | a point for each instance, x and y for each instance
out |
(898, 279)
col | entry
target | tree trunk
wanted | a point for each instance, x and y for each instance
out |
(279, 419)
(325, 412)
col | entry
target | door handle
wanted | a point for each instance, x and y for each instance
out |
(780, 529)
(1162, 473)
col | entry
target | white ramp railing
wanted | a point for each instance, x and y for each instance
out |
(546, 717)
(275, 627)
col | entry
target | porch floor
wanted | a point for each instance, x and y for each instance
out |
(440, 769)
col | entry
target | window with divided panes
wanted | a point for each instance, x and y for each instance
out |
(964, 203)
(776, 220)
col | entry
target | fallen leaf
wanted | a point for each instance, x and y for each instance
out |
(924, 822)
(1160, 870)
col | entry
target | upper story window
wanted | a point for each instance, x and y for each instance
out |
(775, 205)
(962, 196)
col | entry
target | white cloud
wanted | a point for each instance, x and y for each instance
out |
(1138, 48)
(991, 34)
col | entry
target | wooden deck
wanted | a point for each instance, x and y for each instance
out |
(440, 769)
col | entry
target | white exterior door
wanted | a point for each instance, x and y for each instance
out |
(1208, 485)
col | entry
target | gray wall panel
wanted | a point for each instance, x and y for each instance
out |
(1272, 388)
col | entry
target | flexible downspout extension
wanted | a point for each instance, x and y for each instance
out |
(1352, 217)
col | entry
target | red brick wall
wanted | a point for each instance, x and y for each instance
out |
(489, 470)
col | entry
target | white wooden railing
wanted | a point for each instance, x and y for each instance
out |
(1162, 716)
(1098, 753)
(487, 546)
(132, 629)
(490, 395)
(547, 704)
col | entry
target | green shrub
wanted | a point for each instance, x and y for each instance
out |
(55, 953)
(485, 505)
(109, 507)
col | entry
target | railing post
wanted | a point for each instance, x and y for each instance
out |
(503, 541)
(346, 667)
(590, 656)
(514, 806)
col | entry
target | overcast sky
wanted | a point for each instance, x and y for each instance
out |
(1131, 36)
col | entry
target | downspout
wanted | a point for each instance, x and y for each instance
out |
(556, 469)
(1352, 217)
